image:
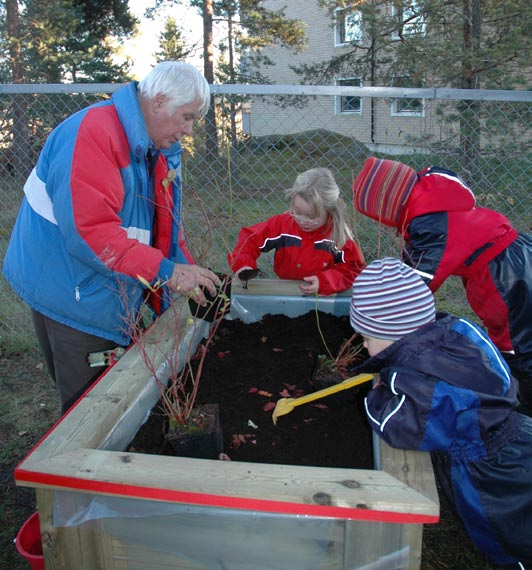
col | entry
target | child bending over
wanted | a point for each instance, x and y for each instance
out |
(445, 233)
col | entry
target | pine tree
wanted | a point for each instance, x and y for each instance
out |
(56, 41)
(465, 44)
(172, 44)
(249, 28)
(67, 40)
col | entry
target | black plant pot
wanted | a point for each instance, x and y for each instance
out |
(201, 437)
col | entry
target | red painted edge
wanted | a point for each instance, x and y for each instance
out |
(221, 501)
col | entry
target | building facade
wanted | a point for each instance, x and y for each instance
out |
(389, 124)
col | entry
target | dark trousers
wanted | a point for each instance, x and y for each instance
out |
(65, 351)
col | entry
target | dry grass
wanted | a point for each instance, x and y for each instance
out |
(28, 408)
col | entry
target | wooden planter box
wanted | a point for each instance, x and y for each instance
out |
(104, 508)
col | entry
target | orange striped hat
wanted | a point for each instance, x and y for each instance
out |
(382, 189)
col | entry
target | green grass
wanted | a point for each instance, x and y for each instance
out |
(222, 195)
(16, 331)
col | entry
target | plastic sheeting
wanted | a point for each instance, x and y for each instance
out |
(189, 536)
(251, 308)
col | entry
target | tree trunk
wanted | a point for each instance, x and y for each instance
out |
(232, 106)
(211, 133)
(469, 110)
(18, 149)
(13, 33)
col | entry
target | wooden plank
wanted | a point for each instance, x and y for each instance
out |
(89, 423)
(413, 468)
(48, 532)
(277, 287)
(68, 547)
(274, 488)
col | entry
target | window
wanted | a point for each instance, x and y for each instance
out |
(410, 107)
(349, 103)
(409, 17)
(347, 26)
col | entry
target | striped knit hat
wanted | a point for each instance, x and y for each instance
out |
(382, 188)
(390, 300)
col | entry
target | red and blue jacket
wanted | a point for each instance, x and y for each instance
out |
(92, 221)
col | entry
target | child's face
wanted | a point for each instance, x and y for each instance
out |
(376, 345)
(303, 215)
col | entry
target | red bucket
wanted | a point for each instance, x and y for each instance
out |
(28, 542)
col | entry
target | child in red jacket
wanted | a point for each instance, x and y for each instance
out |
(312, 241)
(445, 234)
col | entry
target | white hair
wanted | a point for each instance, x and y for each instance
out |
(181, 83)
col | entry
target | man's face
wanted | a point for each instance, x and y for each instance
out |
(166, 129)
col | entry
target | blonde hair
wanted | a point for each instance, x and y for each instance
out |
(318, 188)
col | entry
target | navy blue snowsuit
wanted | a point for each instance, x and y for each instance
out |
(446, 389)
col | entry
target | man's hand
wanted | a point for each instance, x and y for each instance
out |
(190, 279)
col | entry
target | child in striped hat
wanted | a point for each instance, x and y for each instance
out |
(445, 233)
(445, 388)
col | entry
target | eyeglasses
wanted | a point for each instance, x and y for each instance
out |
(305, 219)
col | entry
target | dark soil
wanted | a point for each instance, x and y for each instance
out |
(249, 367)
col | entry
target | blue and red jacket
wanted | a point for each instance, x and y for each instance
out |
(91, 221)
(298, 253)
(446, 234)
(446, 389)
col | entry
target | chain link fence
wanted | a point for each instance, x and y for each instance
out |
(235, 173)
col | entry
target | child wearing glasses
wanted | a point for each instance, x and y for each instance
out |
(312, 241)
